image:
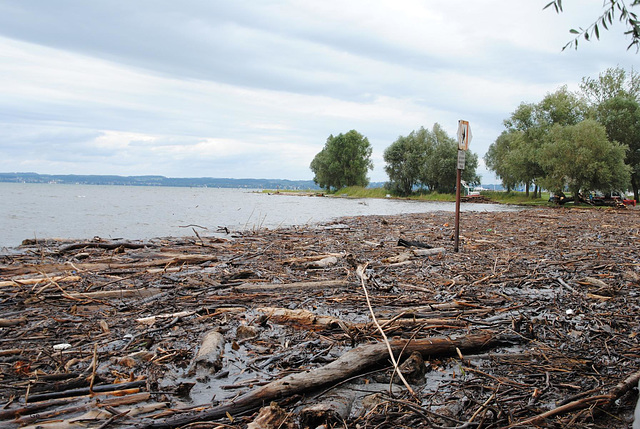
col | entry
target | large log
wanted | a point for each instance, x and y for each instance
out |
(352, 363)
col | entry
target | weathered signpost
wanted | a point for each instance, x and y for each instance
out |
(464, 138)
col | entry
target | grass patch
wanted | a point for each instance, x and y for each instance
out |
(360, 192)
(520, 198)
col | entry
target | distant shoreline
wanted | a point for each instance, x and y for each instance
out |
(203, 182)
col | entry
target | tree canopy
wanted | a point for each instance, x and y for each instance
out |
(405, 161)
(515, 155)
(426, 158)
(565, 142)
(344, 161)
(581, 158)
(614, 99)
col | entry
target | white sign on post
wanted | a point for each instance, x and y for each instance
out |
(464, 135)
(461, 159)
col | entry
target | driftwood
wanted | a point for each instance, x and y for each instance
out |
(37, 280)
(333, 408)
(101, 245)
(298, 286)
(209, 356)
(348, 365)
(563, 281)
(271, 417)
(86, 391)
(299, 316)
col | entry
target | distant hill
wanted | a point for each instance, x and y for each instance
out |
(73, 179)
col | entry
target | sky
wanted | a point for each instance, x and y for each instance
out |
(253, 88)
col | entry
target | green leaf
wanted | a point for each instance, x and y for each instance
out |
(574, 31)
(586, 36)
(596, 31)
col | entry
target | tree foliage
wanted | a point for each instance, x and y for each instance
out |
(614, 99)
(613, 9)
(344, 161)
(427, 158)
(581, 158)
(613, 82)
(440, 171)
(405, 160)
(515, 155)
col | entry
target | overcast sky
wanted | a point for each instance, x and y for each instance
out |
(253, 88)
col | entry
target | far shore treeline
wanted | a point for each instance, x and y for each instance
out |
(73, 179)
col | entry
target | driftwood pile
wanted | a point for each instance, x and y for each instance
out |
(534, 323)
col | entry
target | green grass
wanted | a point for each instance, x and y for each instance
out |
(517, 198)
(360, 192)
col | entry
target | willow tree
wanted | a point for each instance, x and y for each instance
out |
(344, 161)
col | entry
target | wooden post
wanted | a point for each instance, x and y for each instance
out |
(457, 234)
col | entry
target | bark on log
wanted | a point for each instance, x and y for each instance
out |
(100, 245)
(177, 259)
(5, 323)
(286, 287)
(85, 391)
(348, 365)
(209, 356)
(334, 408)
(36, 280)
(301, 316)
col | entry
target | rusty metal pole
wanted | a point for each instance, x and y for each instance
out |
(457, 235)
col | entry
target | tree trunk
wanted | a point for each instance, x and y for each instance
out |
(527, 189)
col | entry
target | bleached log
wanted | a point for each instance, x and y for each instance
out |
(428, 252)
(120, 293)
(37, 280)
(334, 407)
(402, 257)
(287, 287)
(301, 316)
(322, 263)
(150, 320)
(209, 356)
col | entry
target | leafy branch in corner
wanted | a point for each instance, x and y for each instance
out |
(614, 9)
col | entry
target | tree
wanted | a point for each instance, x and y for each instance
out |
(503, 158)
(440, 170)
(581, 157)
(531, 124)
(612, 9)
(613, 82)
(405, 160)
(614, 99)
(427, 158)
(344, 161)
(621, 118)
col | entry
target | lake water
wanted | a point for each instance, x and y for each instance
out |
(141, 212)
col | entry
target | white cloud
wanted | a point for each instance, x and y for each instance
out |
(253, 89)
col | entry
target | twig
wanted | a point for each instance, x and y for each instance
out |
(360, 272)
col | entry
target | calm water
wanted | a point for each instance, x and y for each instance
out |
(140, 212)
